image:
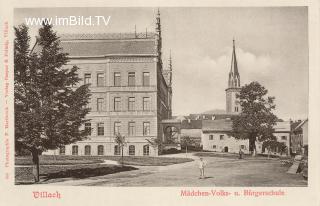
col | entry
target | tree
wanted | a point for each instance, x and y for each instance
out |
(256, 120)
(121, 142)
(49, 111)
(156, 143)
(186, 141)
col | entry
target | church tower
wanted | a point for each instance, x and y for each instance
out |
(232, 104)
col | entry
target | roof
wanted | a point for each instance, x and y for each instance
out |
(297, 125)
(191, 124)
(112, 44)
(211, 116)
(217, 125)
(282, 126)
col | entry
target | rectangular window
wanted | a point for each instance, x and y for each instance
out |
(146, 103)
(100, 80)
(211, 137)
(131, 79)
(283, 137)
(221, 137)
(88, 105)
(146, 79)
(117, 104)
(87, 127)
(131, 104)
(99, 104)
(100, 129)
(242, 146)
(146, 128)
(87, 78)
(117, 79)
(117, 127)
(214, 146)
(132, 129)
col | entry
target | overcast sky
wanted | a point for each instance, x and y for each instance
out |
(272, 48)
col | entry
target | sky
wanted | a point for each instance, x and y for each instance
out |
(271, 48)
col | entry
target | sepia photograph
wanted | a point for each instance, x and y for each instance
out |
(161, 97)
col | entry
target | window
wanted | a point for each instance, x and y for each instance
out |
(211, 137)
(131, 79)
(99, 104)
(146, 79)
(100, 150)
(131, 103)
(74, 150)
(236, 109)
(117, 104)
(146, 150)
(87, 78)
(117, 127)
(117, 79)
(283, 137)
(132, 129)
(100, 129)
(214, 146)
(87, 127)
(242, 146)
(146, 128)
(62, 150)
(87, 150)
(221, 137)
(132, 150)
(116, 150)
(100, 80)
(146, 103)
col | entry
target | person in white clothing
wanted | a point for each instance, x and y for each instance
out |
(202, 164)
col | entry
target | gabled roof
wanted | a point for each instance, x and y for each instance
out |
(298, 125)
(97, 45)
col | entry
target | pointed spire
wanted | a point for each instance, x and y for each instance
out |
(234, 76)
(158, 38)
(234, 63)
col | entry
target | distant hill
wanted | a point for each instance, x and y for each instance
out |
(215, 111)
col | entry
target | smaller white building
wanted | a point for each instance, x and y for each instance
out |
(216, 137)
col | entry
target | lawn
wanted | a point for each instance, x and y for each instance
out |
(24, 174)
(64, 166)
(128, 160)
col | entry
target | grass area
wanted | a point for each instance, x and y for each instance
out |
(63, 166)
(129, 160)
(24, 174)
(56, 160)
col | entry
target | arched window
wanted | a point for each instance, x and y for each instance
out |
(75, 150)
(132, 150)
(100, 150)
(87, 150)
(146, 150)
(62, 150)
(116, 150)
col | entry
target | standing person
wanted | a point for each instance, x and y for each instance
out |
(201, 167)
(240, 153)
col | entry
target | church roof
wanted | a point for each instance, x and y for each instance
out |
(234, 63)
(107, 44)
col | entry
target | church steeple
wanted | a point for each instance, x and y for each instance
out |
(234, 76)
(232, 102)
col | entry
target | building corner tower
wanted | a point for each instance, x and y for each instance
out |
(232, 104)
